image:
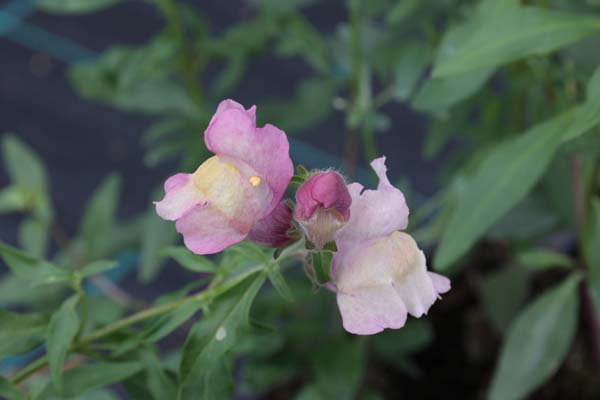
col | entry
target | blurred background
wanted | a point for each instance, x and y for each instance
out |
(125, 88)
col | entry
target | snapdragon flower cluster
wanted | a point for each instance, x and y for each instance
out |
(378, 272)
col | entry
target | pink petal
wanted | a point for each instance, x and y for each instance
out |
(273, 230)
(206, 230)
(325, 190)
(375, 213)
(440, 283)
(370, 310)
(180, 196)
(233, 133)
(234, 105)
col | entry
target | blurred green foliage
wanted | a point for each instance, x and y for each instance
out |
(511, 90)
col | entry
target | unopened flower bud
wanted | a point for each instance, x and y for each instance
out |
(323, 207)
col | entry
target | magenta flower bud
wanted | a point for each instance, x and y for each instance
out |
(274, 229)
(323, 207)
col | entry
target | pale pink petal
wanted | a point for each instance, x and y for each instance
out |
(416, 289)
(180, 196)
(375, 213)
(234, 105)
(265, 149)
(273, 230)
(440, 283)
(206, 230)
(370, 310)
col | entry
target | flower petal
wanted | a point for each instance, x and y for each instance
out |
(233, 133)
(325, 190)
(371, 309)
(229, 104)
(375, 213)
(273, 229)
(206, 230)
(440, 283)
(180, 196)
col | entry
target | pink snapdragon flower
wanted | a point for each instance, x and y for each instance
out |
(219, 204)
(322, 206)
(379, 273)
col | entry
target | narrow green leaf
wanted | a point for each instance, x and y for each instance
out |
(74, 6)
(508, 173)
(31, 269)
(213, 336)
(501, 309)
(62, 329)
(10, 391)
(78, 381)
(409, 69)
(505, 33)
(278, 281)
(14, 198)
(159, 383)
(540, 259)
(23, 165)
(157, 234)
(99, 217)
(98, 267)
(20, 333)
(537, 342)
(34, 236)
(189, 260)
(592, 253)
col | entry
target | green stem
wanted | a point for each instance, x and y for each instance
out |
(152, 312)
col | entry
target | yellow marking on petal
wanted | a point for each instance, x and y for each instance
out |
(254, 180)
(219, 181)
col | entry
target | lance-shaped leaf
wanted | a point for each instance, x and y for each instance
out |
(213, 336)
(20, 333)
(61, 332)
(537, 342)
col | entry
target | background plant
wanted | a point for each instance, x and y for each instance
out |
(511, 90)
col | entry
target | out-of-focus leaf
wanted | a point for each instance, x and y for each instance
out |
(540, 259)
(99, 217)
(78, 381)
(409, 69)
(402, 11)
(537, 342)
(530, 217)
(23, 165)
(500, 308)
(501, 32)
(213, 336)
(394, 344)
(300, 38)
(157, 234)
(20, 333)
(61, 332)
(509, 172)
(33, 236)
(278, 281)
(592, 253)
(31, 269)
(159, 383)
(97, 267)
(10, 391)
(14, 198)
(74, 6)
(311, 104)
(189, 260)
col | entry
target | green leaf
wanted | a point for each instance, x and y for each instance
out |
(159, 383)
(10, 391)
(98, 267)
(278, 281)
(509, 172)
(74, 6)
(23, 165)
(321, 262)
(501, 32)
(99, 217)
(394, 344)
(82, 379)
(409, 69)
(157, 234)
(537, 342)
(592, 253)
(500, 308)
(34, 236)
(213, 336)
(14, 198)
(20, 333)
(540, 259)
(62, 329)
(189, 260)
(31, 269)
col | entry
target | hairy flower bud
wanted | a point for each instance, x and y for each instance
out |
(323, 207)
